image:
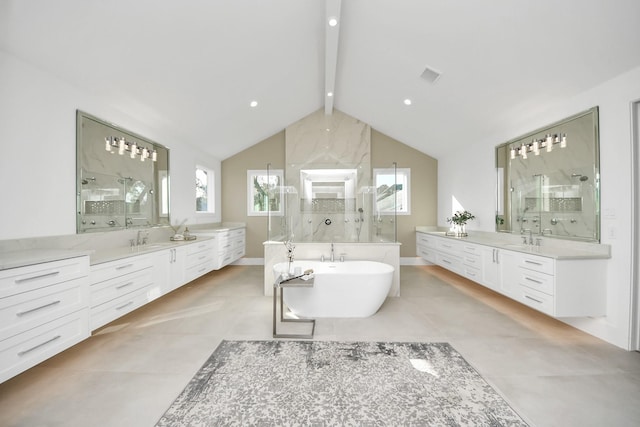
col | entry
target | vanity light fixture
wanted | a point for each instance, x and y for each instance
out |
(113, 142)
(536, 145)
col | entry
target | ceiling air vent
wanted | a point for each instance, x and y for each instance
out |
(430, 75)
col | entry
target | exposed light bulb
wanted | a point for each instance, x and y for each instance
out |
(536, 147)
(154, 155)
(513, 153)
(549, 143)
(563, 141)
(523, 151)
(134, 150)
(144, 154)
(107, 144)
(121, 146)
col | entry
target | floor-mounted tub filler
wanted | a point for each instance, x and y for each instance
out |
(341, 289)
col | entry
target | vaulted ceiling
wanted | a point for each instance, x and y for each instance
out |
(190, 68)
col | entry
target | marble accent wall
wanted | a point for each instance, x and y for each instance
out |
(336, 141)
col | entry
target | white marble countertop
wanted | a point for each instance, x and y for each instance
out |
(550, 248)
(24, 258)
(113, 254)
(218, 228)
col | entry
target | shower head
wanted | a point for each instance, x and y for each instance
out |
(583, 178)
(360, 210)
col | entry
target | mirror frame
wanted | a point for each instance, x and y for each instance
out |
(503, 189)
(158, 219)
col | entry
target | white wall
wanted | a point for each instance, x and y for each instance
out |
(469, 176)
(38, 158)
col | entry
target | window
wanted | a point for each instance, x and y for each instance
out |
(264, 192)
(393, 193)
(205, 195)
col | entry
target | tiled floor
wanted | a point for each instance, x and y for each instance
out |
(130, 371)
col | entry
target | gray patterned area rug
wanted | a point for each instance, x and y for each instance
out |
(320, 383)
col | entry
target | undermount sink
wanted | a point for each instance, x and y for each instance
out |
(154, 246)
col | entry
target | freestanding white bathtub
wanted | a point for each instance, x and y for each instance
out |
(341, 289)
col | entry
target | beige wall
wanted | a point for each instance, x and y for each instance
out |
(384, 151)
(234, 188)
(424, 185)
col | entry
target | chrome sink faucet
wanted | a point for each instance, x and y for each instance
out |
(332, 254)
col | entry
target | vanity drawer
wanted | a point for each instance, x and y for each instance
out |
(198, 270)
(238, 253)
(448, 245)
(24, 279)
(471, 248)
(538, 281)
(109, 270)
(22, 351)
(537, 263)
(28, 310)
(107, 312)
(449, 262)
(196, 248)
(537, 300)
(472, 273)
(107, 290)
(472, 260)
(425, 240)
(197, 259)
(427, 254)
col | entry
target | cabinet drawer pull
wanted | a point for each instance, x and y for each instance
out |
(446, 246)
(125, 285)
(446, 261)
(40, 276)
(533, 280)
(202, 269)
(23, 352)
(227, 246)
(471, 274)
(202, 257)
(124, 305)
(533, 299)
(532, 262)
(31, 310)
(122, 267)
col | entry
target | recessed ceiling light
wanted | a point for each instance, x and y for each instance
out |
(333, 21)
(253, 104)
(329, 93)
(407, 101)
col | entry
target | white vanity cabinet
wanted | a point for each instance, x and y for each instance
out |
(426, 247)
(43, 311)
(228, 245)
(169, 268)
(200, 259)
(119, 287)
(563, 287)
(449, 254)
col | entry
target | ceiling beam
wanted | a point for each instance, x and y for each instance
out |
(332, 34)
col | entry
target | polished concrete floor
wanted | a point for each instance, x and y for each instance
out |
(130, 371)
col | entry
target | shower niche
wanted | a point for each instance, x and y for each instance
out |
(548, 181)
(121, 179)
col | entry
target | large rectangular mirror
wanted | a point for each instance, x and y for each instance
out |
(122, 178)
(548, 181)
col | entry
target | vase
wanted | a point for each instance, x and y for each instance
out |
(462, 230)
